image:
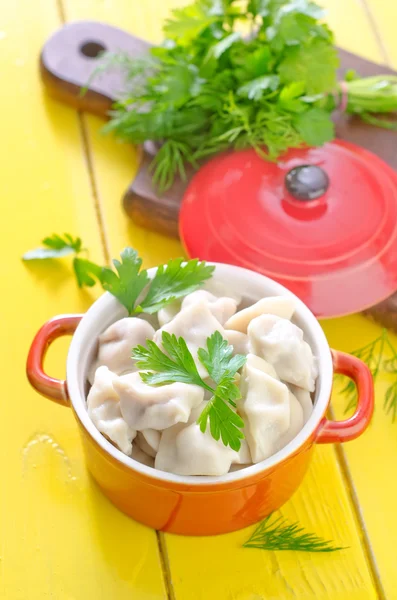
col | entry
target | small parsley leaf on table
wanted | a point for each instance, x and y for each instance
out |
(127, 283)
(55, 246)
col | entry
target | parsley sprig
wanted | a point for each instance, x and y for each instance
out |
(128, 282)
(281, 535)
(58, 246)
(176, 364)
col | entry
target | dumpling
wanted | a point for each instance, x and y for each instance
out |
(141, 456)
(260, 364)
(220, 290)
(281, 343)
(116, 343)
(148, 440)
(166, 314)
(264, 406)
(155, 407)
(222, 308)
(282, 306)
(185, 450)
(238, 340)
(305, 400)
(195, 324)
(296, 423)
(104, 410)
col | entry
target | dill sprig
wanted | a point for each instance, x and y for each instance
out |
(390, 401)
(373, 354)
(281, 535)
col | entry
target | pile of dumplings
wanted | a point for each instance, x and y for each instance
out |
(157, 425)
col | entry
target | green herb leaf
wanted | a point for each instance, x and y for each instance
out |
(188, 22)
(128, 283)
(290, 97)
(218, 49)
(218, 359)
(314, 64)
(173, 281)
(207, 89)
(315, 126)
(224, 423)
(86, 272)
(177, 365)
(254, 89)
(280, 535)
(390, 401)
(374, 355)
(46, 253)
(258, 7)
(68, 241)
(55, 247)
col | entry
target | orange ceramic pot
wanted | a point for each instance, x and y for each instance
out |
(199, 505)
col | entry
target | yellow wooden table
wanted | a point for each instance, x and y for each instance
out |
(59, 537)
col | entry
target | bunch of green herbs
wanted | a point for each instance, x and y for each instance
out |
(257, 74)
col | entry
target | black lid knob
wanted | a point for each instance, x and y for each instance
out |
(306, 182)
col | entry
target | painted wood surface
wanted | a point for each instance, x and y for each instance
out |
(59, 538)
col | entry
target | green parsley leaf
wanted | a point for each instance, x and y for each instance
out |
(314, 64)
(224, 423)
(315, 126)
(218, 49)
(188, 22)
(177, 365)
(258, 7)
(55, 247)
(253, 90)
(290, 97)
(56, 241)
(228, 390)
(173, 281)
(128, 283)
(218, 359)
(86, 272)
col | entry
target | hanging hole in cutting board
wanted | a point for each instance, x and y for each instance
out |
(92, 49)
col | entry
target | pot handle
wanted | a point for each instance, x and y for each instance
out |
(349, 429)
(54, 389)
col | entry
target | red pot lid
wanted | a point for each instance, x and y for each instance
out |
(321, 221)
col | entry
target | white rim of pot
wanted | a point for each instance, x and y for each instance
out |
(101, 314)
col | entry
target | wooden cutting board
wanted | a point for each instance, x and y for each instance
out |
(68, 60)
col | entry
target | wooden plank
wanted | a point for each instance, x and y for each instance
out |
(383, 17)
(352, 28)
(59, 537)
(218, 567)
(114, 163)
(368, 459)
